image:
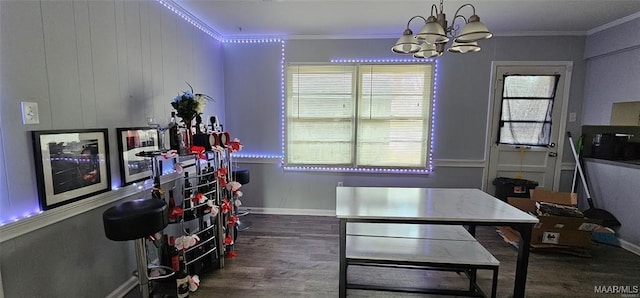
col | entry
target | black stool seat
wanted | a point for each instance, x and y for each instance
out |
(241, 176)
(135, 219)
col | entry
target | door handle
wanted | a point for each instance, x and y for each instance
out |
(552, 145)
(553, 154)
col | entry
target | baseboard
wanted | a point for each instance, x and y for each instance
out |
(630, 247)
(289, 211)
(124, 289)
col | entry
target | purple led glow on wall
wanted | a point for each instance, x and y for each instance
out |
(22, 216)
(282, 99)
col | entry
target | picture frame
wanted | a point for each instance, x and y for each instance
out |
(133, 140)
(70, 165)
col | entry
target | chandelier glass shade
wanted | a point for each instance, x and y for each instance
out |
(432, 38)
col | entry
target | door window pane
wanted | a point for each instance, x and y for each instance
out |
(527, 102)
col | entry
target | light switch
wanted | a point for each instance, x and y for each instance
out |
(30, 113)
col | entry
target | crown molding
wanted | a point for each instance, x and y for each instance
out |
(190, 18)
(614, 23)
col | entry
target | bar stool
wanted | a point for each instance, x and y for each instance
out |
(136, 220)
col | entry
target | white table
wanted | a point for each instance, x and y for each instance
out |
(444, 206)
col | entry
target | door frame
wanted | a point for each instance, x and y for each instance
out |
(568, 66)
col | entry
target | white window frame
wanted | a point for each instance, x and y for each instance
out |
(427, 118)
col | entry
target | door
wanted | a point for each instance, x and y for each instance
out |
(528, 106)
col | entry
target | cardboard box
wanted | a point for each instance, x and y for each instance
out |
(557, 231)
(512, 237)
(563, 198)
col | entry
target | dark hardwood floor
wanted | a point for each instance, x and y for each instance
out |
(297, 256)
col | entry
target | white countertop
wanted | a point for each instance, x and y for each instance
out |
(425, 204)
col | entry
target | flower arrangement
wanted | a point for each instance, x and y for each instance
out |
(189, 105)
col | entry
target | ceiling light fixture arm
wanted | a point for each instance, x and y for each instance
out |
(453, 28)
(411, 19)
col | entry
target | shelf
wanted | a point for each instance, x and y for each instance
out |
(204, 230)
(209, 192)
(199, 244)
(201, 256)
(196, 207)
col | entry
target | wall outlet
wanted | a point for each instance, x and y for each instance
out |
(572, 117)
(340, 183)
(30, 113)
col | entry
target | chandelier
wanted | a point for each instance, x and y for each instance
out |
(431, 40)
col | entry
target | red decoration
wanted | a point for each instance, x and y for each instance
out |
(228, 240)
(232, 220)
(199, 150)
(196, 199)
(235, 146)
(231, 254)
(175, 212)
(222, 178)
(226, 207)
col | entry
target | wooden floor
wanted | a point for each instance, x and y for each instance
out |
(297, 256)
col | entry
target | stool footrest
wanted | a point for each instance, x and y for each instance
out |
(170, 271)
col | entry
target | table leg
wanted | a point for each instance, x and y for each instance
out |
(523, 259)
(473, 273)
(343, 260)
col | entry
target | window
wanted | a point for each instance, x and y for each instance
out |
(358, 116)
(527, 101)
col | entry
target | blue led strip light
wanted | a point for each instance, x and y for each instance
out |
(191, 19)
(260, 156)
(282, 101)
(382, 60)
(23, 216)
(358, 170)
(433, 115)
(251, 40)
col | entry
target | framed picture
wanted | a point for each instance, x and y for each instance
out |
(70, 165)
(130, 142)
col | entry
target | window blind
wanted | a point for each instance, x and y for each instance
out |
(320, 109)
(358, 115)
(393, 109)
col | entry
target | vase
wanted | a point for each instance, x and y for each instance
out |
(187, 137)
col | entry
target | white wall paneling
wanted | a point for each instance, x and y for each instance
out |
(88, 64)
(87, 108)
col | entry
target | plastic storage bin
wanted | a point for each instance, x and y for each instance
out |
(511, 187)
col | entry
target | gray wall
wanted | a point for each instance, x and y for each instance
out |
(613, 63)
(460, 128)
(613, 73)
(614, 188)
(88, 64)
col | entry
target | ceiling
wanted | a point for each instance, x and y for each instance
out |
(384, 19)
